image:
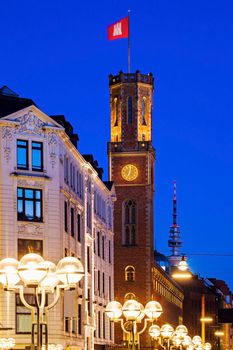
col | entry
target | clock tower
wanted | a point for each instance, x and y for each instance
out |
(131, 167)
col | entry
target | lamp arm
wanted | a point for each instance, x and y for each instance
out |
(21, 294)
(122, 325)
(145, 325)
(56, 298)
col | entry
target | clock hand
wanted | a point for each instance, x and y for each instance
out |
(129, 171)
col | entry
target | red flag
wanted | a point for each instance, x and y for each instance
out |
(119, 30)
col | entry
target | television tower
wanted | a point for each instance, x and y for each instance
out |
(174, 241)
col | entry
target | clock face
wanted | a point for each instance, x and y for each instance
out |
(129, 172)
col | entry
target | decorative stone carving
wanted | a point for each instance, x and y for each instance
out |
(30, 124)
(30, 229)
(52, 142)
(7, 138)
(30, 183)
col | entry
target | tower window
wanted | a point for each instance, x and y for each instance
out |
(129, 223)
(143, 111)
(130, 274)
(116, 111)
(130, 110)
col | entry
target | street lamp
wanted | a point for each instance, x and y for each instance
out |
(166, 335)
(133, 313)
(44, 277)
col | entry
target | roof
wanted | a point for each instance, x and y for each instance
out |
(10, 102)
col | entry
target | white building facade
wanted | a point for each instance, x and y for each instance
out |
(52, 202)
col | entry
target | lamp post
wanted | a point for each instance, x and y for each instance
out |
(133, 313)
(44, 278)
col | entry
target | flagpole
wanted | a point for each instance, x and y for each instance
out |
(128, 41)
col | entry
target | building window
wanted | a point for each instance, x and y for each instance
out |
(23, 314)
(103, 247)
(99, 324)
(109, 252)
(109, 288)
(98, 281)
(26, 246)
(79, 227)
(72, 222)
(130, 274)
(103, 283)
(37, 156)
(65, 216)
(22, 154)
(98, 243)
(79, 319)
(130, 110)
(129, 223)
(29, 204)
(88, 260)
(143, 111)
(89, 302)
(116, 111)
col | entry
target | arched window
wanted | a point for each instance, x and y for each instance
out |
(116, 111)
(129, 223)
(129, 274)
(143, 111)
(130, 110)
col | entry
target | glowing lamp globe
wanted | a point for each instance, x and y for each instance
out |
(197, 340)
(9, 272)
(154, 331)
(183, 265)
(167, 330)
(176, 340)
(131, 309)
(181, 331)
(142, 314)
(51, 279)
(207, 346)
(113, 310)
(187, 341)
(70, 271)
(153, 310)
(11, 342)
(31, 269)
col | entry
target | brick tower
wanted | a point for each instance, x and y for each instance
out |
(131, 167)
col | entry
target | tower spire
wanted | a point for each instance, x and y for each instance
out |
(174, 241)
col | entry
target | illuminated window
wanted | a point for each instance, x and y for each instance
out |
(129, 274)
(116, 111)
(130, 110)
(143, 111)
(129, 223)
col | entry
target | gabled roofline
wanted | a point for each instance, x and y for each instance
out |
(35, 109)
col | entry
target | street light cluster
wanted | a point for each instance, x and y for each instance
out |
(44, 277)
(133, 313)
(167, 335)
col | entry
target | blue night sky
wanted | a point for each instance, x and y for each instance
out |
(56, 53)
